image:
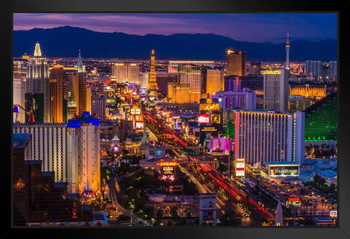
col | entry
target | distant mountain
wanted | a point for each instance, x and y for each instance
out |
(65, 42)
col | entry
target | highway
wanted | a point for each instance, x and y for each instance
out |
(115, 203)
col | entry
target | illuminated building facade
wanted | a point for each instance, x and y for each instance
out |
(213, 80)
(236, 62)
(72, 92)
(79, 66)
(57, 82)
(173, 65)
(19, 99)
(245, 99)
(298, 103)
(276, 90)
(192, 75)
(309, 91)
(84, 95)
(269, 137)
(179, 93)
(70, 150)
(38, 79)
(321, 71)
(122, 72)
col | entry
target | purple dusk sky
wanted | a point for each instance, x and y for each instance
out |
(256, 27)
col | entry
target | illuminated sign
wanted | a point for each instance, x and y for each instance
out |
(209, 129)
(167, 163)
(135, 111)
(138, 117)
(166, 170)
(240, 167)
(110, 101)
(143, 92)
(283, 170)
(139, 125)
(203, 118)
(167, 177)
(333, 213)
(293, 201)
(209, 107)
(215, 118)
(110, 93)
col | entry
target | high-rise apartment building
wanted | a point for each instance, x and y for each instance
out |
(236, 62)
(269, 137)
(276, 90)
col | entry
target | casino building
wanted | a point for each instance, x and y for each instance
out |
(71, 151)
(269, 137)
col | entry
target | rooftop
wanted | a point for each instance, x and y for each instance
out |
(20, 140)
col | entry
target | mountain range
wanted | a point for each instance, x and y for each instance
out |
(66, 41)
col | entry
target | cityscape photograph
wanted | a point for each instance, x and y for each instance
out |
(174, 119)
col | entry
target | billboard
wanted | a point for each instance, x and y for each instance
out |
(203, 118)
(240, 167)
(283, 170)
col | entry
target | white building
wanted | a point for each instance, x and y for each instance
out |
(269, 137)
(276, 90)
(38, 79)
(70, 150)
(19, 99)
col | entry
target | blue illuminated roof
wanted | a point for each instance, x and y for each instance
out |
(84, 118)
(72, 123)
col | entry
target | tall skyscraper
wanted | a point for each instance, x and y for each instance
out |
(79, 65)
(269, 137)
(123, 72)
(72, 92)
(276, 90)
(214, 80)
(57, 81)
(236, 61)
(71, 151)
(152, 83)
(194, 76)
(287, 52)
(38, 79)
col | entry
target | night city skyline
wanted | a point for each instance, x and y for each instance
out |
(190, 129)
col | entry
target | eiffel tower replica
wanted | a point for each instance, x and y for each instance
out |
(152, 84)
